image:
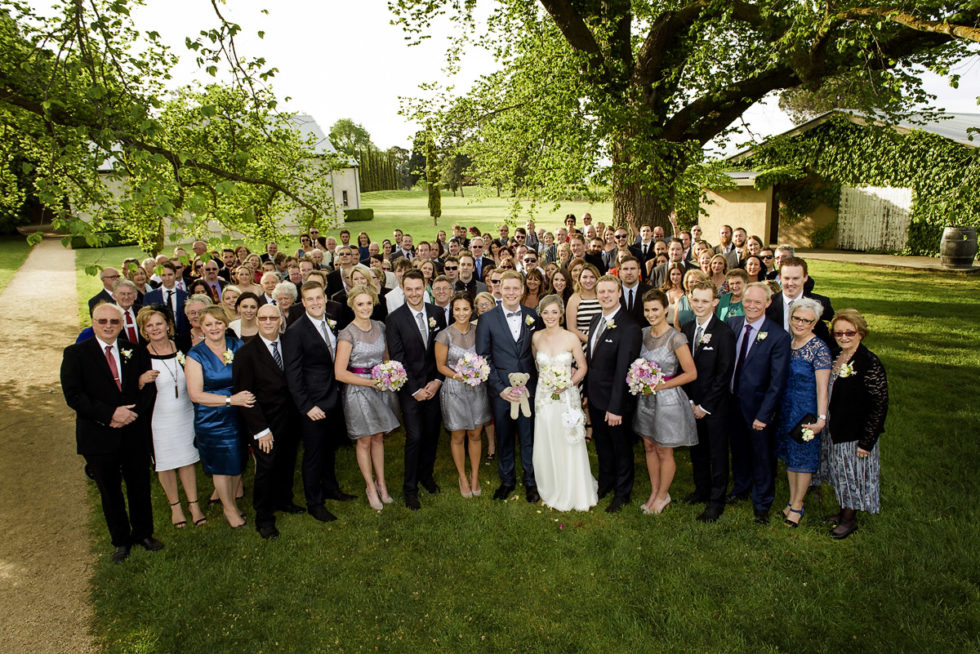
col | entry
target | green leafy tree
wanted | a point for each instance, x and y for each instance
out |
(628, 93)
(862, 91)
(85, 110)
(349, 137)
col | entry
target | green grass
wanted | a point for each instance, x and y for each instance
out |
(477, 575)
(13, 252)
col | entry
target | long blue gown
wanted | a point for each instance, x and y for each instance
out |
(799, 399)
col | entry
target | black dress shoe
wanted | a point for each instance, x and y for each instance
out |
(844, 530)
(120, 554)
(833, 519)
(291, 508)
(503, 493)
(412, 502)
(762, 516)
(151, 544)
(711, 513)
(321, 514)
(616, 505)
(735, 499)
(603, 492)
(431, 486)
(339, 495)
(532, 494)
(269, 532)
(694, 498)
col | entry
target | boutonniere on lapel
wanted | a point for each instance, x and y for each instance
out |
(846, 370)
(529, 321)
(228, 356)
(332, 324)
(432, 323)
(610, 324)
(705, 339)
(762, 336)
(127, 354)
(181, 358)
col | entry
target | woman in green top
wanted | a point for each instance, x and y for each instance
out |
(730, 304)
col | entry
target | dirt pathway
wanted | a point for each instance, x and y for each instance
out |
(45, 556)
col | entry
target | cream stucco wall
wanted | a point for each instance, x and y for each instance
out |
(744, 206)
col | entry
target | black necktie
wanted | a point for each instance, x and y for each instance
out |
(629, 302)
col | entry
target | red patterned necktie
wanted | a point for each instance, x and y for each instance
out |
(131, 329)
(111, 360)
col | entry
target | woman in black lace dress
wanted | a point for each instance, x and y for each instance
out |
(858, 406)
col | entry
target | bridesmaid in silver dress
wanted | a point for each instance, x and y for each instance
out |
(465, 408)
(369, 412)
(665, 419)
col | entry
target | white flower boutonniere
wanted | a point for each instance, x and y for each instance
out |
(332, 324)
(432, 323)
(610, 324)
(806, 434)
(180, 357)
(705, 339)
(228, 356)
(846, 370)
(762, 336)
(529, 321)
(126, 354)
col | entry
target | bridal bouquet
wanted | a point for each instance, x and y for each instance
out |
(389, 376)
(472, 369)
(643, 377)
(555, 378)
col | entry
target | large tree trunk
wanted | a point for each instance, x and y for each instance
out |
(630, 198)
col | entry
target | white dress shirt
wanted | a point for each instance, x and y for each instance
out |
(514, 321)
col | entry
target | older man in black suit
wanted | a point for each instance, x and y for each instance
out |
(100, 379)
(411, 333)
(109, 278)
(273, 422)
(713, 346)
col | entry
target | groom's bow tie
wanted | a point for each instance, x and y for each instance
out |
(511, 314)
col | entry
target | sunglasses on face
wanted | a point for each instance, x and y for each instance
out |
(494, 281)
(768, 256)
(108, 321)
(850, 333)
(451, 268)
(267, 318)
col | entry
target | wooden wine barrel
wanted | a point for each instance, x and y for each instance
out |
(958, 247)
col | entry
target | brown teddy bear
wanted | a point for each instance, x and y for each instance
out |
(518, 382)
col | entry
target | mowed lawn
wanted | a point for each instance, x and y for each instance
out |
(13, 252)
(482, 576)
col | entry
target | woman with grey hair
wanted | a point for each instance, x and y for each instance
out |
(285, 295)
(803, 414)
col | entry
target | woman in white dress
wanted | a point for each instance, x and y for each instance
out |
(561, 461)
(173, 415)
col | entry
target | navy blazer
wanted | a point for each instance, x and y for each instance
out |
(495, 344)
(158, 296)
(763, 374)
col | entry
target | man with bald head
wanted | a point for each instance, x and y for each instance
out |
(109, 277)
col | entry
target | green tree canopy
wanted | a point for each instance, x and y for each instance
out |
(349, 137)
(630, 92)
(85, 110)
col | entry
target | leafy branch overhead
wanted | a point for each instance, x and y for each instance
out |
(632, 92)
(86, 110)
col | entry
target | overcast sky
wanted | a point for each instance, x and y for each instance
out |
(343, 59)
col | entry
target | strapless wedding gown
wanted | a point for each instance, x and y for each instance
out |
(561, 461)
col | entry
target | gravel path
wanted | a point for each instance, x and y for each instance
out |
(45, 555)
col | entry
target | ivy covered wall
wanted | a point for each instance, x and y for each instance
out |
(808, 170)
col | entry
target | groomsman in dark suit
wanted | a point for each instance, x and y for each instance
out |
(100, 380)
(411, 333)
(273, 422)
(713, 346)
(308, 355)
(169, 295)
(503, 338)
(793, 278)
(613, 344)
(761, 367)
(633, 289)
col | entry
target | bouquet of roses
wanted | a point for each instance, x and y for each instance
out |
(389, 376)
(472, 369)
(555, 378)
(643, 377)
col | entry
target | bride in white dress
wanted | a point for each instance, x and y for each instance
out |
(561, 461)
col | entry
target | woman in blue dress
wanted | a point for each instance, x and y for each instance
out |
(216, 432)
(806, 393)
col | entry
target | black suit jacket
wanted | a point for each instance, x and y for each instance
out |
(597, 261)
(775, 313)
(90, 390)
(405, 345)
(637, 251)
(158, 296)
(714, 359)
(309, 368)
(255, 370)
(616, 350)
(637, 313)
(101, 296)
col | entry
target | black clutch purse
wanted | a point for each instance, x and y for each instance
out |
(797, 432)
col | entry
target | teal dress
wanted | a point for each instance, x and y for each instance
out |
(728, 309)
(216, 429)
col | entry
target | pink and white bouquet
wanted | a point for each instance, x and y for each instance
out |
(555, 379)
(389, 376)
(643, 377)
(472, 369)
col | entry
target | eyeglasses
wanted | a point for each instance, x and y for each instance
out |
(477, 247)
(618, 236)
(210, 270)
(451, 268)
(768, 256)
(530, 260)
(108, 321)
(518, 237)
(111, 277)
(314, 231)
(267, 318)
(494, 281)
(802, 321)
(850, 333)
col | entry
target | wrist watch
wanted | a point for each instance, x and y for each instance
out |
(822, 416)
(228, 401)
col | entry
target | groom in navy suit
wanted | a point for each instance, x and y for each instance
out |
(762, 353)
(503, 338)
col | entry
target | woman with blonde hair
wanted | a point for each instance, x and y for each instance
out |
(584, 303)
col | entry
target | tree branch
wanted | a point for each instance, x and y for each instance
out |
(904, 18)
